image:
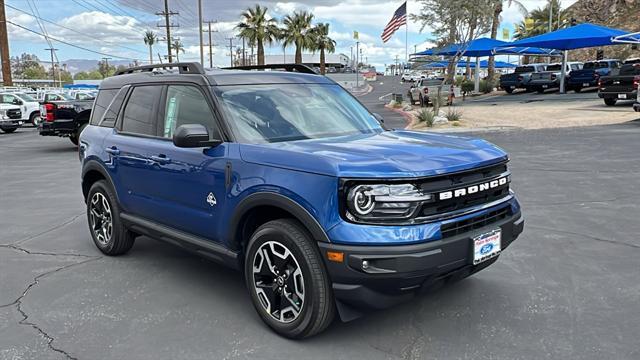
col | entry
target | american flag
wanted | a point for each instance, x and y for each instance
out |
(399, 18)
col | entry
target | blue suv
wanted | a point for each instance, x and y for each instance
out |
(287, 177)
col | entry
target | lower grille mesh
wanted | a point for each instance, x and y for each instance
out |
(463, 226)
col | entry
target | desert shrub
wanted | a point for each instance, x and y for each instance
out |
(426, 116)
(486, 86)
(467, 86)
(453, 114)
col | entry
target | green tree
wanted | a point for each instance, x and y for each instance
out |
(297, 31)
(257, 27)
(105, 69)
(27, 66)
(322, 42)
(495, 23)
(150, 38)
(540, 21)
(177, 46)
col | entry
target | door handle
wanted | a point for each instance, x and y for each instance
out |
(161, 159)
(113, 150)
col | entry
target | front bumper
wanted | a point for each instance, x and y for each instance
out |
(398, 273)
(61, 127)
(11, 123)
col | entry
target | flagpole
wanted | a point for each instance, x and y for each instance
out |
(406, 45)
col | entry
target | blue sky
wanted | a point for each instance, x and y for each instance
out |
(115, 27)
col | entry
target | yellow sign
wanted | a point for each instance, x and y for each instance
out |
(355, 35)
(528, 24)
(505, 33)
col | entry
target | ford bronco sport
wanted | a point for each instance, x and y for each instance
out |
(287, 177)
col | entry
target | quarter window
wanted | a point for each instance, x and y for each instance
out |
(139, 116)
(100, 105)
(187, 105)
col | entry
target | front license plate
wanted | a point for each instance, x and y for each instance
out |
(622, 96)
(19, 122)
(486, 246)
(585, 84)
(545, 86)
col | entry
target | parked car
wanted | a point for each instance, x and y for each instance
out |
(590, 73)
(82, 94)
(29, 107)
(425, 90)
(412, 76)
(550, 78)
(64, 118)
(520, 78)
(10, 118)
(289, 178)
(622, 84)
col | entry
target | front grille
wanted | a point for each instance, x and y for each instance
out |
(14, 113)
(462, 180)
(463, 226)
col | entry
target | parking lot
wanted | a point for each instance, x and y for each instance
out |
(566, 289)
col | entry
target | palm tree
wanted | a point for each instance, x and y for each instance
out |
(258, 28)
(540, 20)
(497, 10)
(297, 31)
(177, 46)
(150, 38)
(322, 42)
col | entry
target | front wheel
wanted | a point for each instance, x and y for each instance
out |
(610, 101)
(287, 281)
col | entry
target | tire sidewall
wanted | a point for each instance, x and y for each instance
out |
(102, 187)
(271, 233)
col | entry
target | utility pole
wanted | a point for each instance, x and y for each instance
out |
(210, 41)
(395, 69)
(106, 63)
(4, 48)
(231, 49)
(53, 68)
(357, 75)
(200, 26)
(244, 54)
(167, 24)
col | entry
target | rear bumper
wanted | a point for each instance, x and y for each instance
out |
(614, 95)
(583, 82)
(61, 127)
(398, 273)
(548, 84)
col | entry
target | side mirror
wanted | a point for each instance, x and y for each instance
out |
(378, 117)
(193, 136)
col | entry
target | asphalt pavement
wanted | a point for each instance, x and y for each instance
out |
(566, 289)
(386, 85)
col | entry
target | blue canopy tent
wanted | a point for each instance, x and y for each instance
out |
(483, 65)
(575, 37)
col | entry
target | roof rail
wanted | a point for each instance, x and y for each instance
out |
(184, 68)
(286, 67)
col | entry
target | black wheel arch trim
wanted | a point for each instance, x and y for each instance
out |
(274, 199)
(94, 165)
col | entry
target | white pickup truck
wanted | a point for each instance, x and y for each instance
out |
(425, 91)
(10, 118)
(29, 106)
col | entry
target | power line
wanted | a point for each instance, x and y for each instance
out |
(168, 25)
(68, 43)
(73, 30)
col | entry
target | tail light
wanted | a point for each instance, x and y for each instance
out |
(636, 81)
(47, 112)
(599, 83)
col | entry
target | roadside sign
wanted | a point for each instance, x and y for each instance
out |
(355, 35)
(505, 33)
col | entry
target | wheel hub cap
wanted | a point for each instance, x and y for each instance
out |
(100, 218)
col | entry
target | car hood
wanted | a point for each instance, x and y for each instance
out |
(390, 154)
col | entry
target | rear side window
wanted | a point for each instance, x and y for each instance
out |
(100, 105)
(111, 115)
(630, 69)
(139, 115)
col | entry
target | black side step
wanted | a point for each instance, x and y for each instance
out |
(187, 241)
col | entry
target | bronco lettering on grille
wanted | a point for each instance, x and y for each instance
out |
(445, 195)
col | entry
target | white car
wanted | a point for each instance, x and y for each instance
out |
(10, 118)
(29, 106)
(412, 76)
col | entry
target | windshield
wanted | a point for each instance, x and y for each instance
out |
(26, 97)
(591, 65)
(554, 67)
(524, 69)
(284, 112)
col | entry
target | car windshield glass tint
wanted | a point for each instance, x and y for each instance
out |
(554, 67)
(589, 65)
(630, 69)
(524, 69)
(285, 112)
(26, 97)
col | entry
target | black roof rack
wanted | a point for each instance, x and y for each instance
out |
(184, 68)
(286, 67)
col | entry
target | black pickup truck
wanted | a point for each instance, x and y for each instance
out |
(622, 84)
(65, 118)
(519, 79)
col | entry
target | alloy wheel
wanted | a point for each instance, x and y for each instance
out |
(278, 281)
(100, 218)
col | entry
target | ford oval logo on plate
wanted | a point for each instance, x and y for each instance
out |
(486, 246)
(485, 249)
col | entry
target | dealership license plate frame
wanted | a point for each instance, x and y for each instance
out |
(622, 96)
(492, 241)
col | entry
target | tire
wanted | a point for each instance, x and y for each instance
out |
(577, 89)
(285, 243)
(75, 138)
(540, 90)
(105, 226)
(34, 119)
(509, 90)
(8, 130)
(610, 101)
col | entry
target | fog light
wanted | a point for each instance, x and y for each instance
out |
(365, 264)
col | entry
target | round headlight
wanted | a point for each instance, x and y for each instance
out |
(360, 200)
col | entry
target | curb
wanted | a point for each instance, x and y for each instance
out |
(407, 116)
(365, 92)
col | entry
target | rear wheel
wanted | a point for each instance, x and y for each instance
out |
(610, 101)
(540, 90)
(103, 214)
(8, 130)
(287, 281)
(75, 138)
(34, 119)
(508, 90)
(577, 89)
